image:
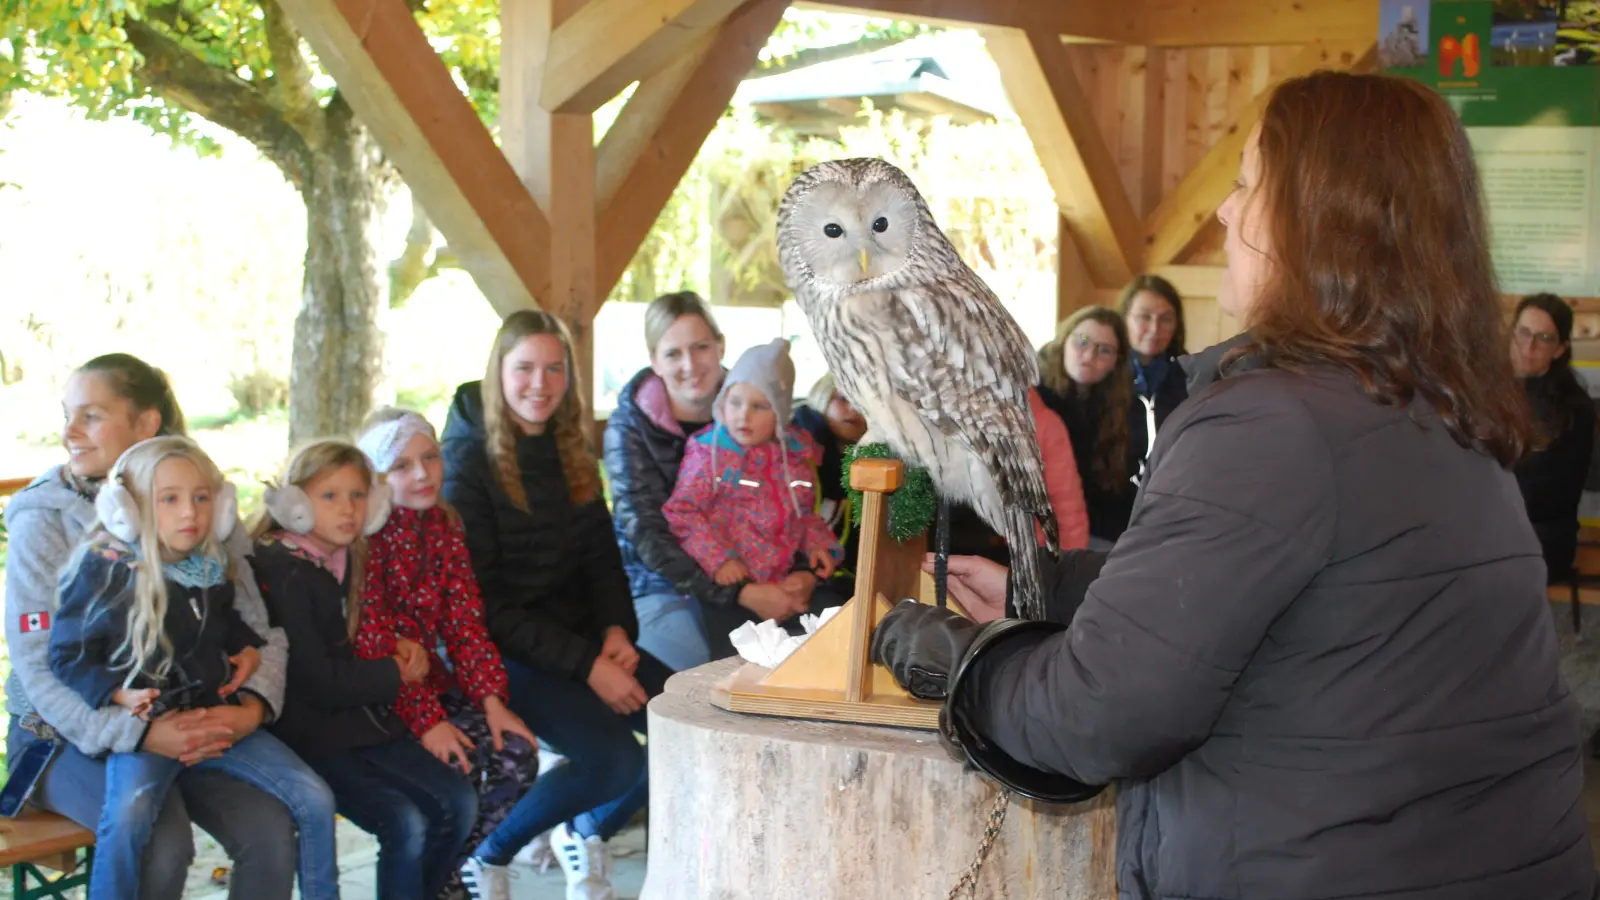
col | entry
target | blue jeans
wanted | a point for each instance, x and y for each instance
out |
(253, 828)
(671, 630)
(136, 789)
(418, 808)
(605, 779)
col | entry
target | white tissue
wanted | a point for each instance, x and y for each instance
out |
(767, 644)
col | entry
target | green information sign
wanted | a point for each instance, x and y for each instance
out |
(1525, 77)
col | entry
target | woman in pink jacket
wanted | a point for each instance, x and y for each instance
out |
(744, 506)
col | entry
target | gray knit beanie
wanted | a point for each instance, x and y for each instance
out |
(769, 368)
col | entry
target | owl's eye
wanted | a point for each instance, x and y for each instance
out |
(833, 230)
(880, 224)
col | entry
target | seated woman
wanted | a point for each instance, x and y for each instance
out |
(111, 403)
(1153, 311)
(1552, 477)
(519, 471)
(644, 445)
(1086, 378)
(835, 425)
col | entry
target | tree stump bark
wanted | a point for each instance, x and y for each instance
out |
(783, 809)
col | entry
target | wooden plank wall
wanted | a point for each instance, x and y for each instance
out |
(1199, 92)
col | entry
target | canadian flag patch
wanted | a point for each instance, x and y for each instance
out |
(39, 621)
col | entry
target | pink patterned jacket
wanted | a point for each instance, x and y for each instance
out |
(734, 502)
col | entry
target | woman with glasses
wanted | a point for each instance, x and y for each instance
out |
(1552, 479)
(1154, 313)
(1087, 379)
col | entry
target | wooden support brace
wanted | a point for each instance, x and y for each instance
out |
(1237, 23)
(1174, 224)
(395, 82)
(609, 44)
(1097, 21)
(1038, 77)
(656, 137)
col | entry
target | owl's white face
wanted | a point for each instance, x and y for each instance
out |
(849, 234)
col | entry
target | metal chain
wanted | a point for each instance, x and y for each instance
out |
(968, 885)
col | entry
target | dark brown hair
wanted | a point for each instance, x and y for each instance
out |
(578, 463)
(1164, 289)
(144, 386)
(1109, 399)
(1559, 392)
(1378, 253)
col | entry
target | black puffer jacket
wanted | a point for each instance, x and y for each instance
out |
(551, 578)
(1319, 664)
(643, 449)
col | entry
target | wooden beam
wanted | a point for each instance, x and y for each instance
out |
(609, 44)
(661, 129)
(1150, 104)
(554, 154)
(403, 94)
(1091, 20)
(1178, 220)
(1215, 23)
(1039, 79)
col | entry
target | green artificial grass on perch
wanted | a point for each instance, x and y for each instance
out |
(911, 508)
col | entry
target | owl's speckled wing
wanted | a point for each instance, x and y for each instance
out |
(967, 367)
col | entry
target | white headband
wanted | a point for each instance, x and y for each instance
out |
(383, 443)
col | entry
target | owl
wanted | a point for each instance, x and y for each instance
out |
(921, 346)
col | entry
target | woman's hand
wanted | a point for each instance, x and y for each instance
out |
(245, 663)
(187, 736)
(240, 720)
(503, 721)
(452, 748)
(978, 584)
(136, 701)
(770, 601)
(620, 690)
(412, 660)
(619, 649)
(731, 572)
(822, 562)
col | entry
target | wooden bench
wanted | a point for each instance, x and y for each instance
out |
(38, 840)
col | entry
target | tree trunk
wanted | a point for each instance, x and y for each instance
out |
(338, 344)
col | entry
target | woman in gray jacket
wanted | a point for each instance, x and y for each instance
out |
(112, 402)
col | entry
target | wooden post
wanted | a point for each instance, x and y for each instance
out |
(554, 155)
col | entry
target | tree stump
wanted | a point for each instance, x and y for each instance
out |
(745, 807)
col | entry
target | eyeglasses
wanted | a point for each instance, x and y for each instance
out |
(1165, 320)
(1524, 335)
(1083, 341)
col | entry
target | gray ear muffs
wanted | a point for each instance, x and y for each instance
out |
(379, 502)
(225, 511)
(290, 507)
(117, 511)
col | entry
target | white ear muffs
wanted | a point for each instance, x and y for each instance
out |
(225, 511)
(379, 501)
(290, 507)
(117, 510)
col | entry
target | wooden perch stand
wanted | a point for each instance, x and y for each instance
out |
(830, 676)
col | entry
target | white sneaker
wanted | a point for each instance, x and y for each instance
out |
(586, 862)
(485, 881)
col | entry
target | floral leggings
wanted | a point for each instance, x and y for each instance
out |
(501, 776)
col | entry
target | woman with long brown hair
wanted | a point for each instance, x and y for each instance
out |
(521, 473)
(1086, 377)
(1319, 663)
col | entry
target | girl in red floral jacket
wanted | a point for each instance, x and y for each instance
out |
(420, 588)
(744, 506)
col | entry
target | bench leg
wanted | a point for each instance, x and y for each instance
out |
(45, 888)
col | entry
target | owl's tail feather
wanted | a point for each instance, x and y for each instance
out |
(1027, 588)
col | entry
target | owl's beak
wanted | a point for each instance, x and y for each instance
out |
(862, 256)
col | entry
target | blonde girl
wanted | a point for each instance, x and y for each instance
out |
(147, 622)
(312, 561)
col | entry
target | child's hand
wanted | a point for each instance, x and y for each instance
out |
(451, 746)
(503, 721)
(412, 660)
(822, 562)
(245, 664)
(798, 586)
(731, 572)
(137, 702)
